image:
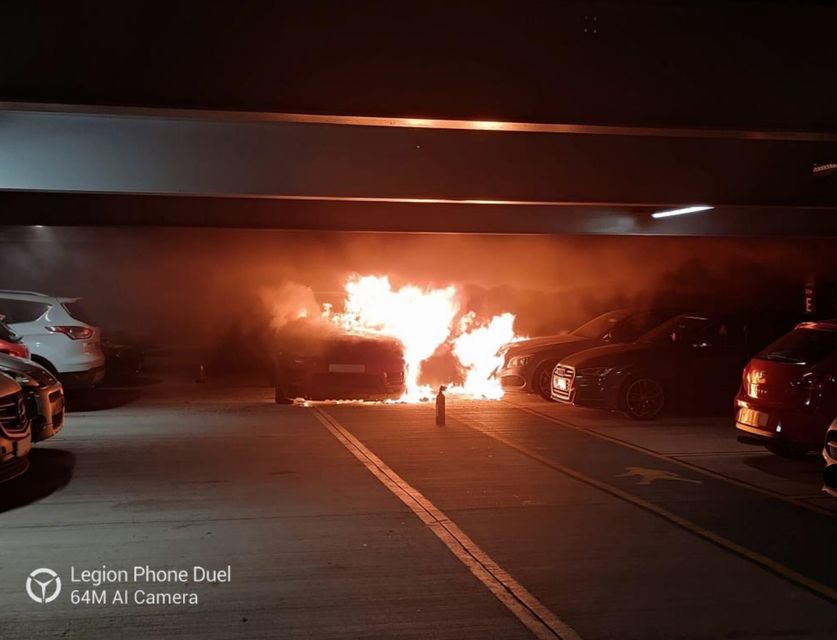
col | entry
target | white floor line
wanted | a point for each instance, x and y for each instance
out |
(542, 622)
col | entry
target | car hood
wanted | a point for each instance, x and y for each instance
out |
(610, 355)
(32, 369)
(7, 385)
(544, 342)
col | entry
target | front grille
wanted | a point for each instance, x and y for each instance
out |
(13, 416)
(30, 399)
(564, 373)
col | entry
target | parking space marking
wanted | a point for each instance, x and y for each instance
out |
(763, 561)
(542, 622)
(678, 461)
(704, 454)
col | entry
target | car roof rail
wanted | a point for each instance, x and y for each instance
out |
(26, 293)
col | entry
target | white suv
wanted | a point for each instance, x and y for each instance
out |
(57, 334)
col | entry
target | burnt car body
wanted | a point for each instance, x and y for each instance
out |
(42, 393)
(340, 367)
(788, 394)
(691, 361)
(528, 364)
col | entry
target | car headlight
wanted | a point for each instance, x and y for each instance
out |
(596, 372)
(519, 361)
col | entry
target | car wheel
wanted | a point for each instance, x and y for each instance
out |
(281, 396)
(46, 364)
(543, 379)
(643, 398)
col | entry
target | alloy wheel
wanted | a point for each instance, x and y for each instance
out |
(644, 398)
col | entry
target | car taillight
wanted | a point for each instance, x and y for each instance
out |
(749, 383)
(73, 332)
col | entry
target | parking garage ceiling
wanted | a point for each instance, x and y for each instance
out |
(594, 116)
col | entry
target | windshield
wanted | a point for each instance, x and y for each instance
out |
(802, 346)
(601, 325)
(679, 330)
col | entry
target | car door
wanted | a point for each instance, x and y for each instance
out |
(633, 326)
(718, 357)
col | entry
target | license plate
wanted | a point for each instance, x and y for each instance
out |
(753, 418)
(347, 368)
(561, 384)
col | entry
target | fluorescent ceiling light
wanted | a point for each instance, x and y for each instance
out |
(682, 211)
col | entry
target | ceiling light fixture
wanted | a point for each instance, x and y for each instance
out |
(682, 211)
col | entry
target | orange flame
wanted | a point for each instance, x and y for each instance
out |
(424, 319)
(477, 348)
(420, 319)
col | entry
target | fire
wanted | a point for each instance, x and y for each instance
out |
(424, 319)
(420, 319)
(477, 347)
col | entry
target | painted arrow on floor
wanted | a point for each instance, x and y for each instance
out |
(648, 476)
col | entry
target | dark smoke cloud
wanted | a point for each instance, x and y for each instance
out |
(190, 286)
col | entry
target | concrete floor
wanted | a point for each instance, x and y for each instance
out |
(620, 530)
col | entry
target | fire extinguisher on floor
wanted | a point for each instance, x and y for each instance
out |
(440, 406)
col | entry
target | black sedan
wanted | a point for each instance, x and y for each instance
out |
(528, 365)
(693, 360)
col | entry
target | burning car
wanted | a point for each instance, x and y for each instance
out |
(528, 364)
(692, 360)
(788, 394)
(380, 340)
(339, 367)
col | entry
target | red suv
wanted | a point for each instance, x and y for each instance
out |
(788, 394)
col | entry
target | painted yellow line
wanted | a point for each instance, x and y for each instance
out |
(542, 622)
(771, 565)
(676, 459)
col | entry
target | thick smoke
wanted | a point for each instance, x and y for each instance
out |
(200, 287)
(288, 302)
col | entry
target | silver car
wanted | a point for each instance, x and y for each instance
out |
(42, 392)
